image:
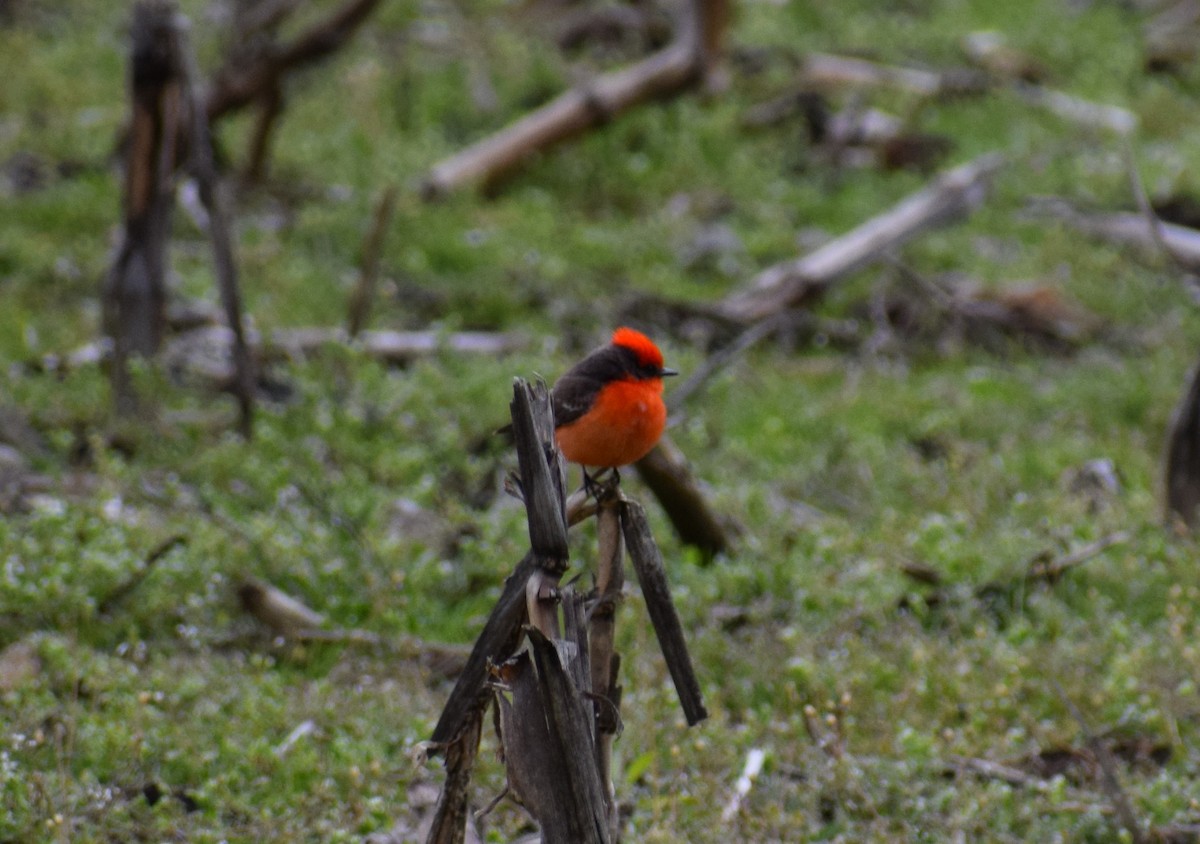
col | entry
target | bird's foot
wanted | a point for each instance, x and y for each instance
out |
(601, 486)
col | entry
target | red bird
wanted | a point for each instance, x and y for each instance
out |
(608, 408)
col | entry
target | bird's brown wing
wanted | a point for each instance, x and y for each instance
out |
(575, 392)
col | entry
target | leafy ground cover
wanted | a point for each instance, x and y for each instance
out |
(167, 714)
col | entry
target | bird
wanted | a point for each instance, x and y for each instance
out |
(608, 408)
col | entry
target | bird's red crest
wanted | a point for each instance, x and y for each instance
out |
(641, 345)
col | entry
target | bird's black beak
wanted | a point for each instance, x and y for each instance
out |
(665, 372)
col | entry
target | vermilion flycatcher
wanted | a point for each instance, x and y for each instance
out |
(608, 408)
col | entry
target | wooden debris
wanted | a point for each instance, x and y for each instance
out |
(691, 57)
(665, 470)
(823, 69)
(648, 564)
(604, 663)
(368, 274)
(202, 355)
(801, 281)
(305, 728)
(1171, 38)
(168, 128)
(496, 643)
(558, 700)
(1051, 570)
(1181, 471)
(543, 484)
(134, 295)
(1126, 229)
(120, 593)
(1030, 313)
(579, 805)
(1079, 111)
(256, 70)
(204, 171)
(485, 162)
(452, 816)
(750, 772)
(842, 71)
(990, 50)
(399, 347)
(988, 769)
(532, 769)
(283, 614)
(855, 136)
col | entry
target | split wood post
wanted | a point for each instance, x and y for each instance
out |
(168, 127)
(558, 698)
(1181, 474)
(134, 294)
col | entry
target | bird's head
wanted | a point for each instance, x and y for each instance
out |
(647, 359)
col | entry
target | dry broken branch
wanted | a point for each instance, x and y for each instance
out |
(1126, 229)
(368, 273)
(824, 69)
(1181, 472)
(648, 564)
(134, 295)
(569, 114)
(204, 171)
(1079, 111)
(800, 281)
(247, 78)
(666, 472)
(692, 56)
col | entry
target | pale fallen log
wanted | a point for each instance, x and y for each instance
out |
(844, 71)
(400, 346)
(990, 50)
(1127, 228)
(203, 354)
(792, 283)
(692, 57)
(1078, 110)
(830, 70)
(571, 113)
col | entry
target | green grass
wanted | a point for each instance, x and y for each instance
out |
(168, 714)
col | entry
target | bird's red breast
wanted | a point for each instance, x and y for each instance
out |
(608, 408)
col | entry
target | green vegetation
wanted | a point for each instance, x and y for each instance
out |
(166, 715)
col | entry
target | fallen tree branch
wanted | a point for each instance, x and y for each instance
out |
(248, 78)
(800, 281)
(666, 472)
(690, 58)
(1126, 229)
(831, 70)
(987, 769)
(202, 355)
(204, 171)
(359, 310)
(567, 115)
(1078, 110)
